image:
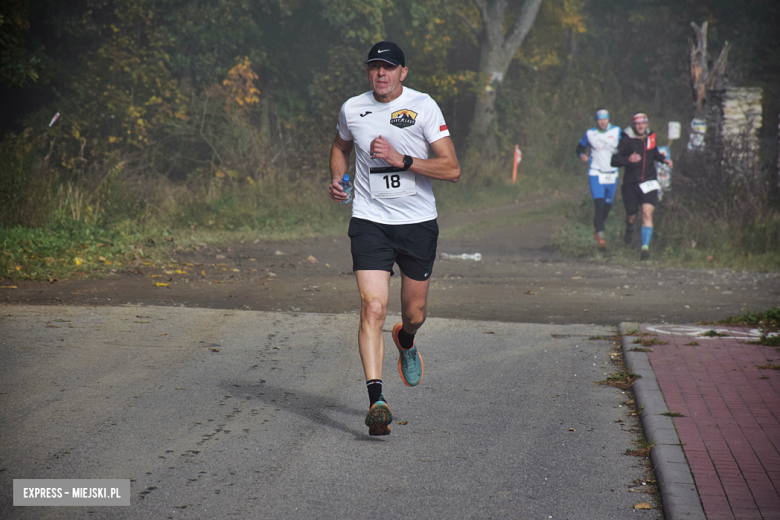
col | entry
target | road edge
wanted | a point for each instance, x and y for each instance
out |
(679, 497)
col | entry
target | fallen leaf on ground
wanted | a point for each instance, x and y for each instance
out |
(402, 422)
(8, 287)
(214, 349)
(576, 277)
(311, 259)
(278, 253)
(643, 505)
(572, 430)
(161, 284)
(530, 292)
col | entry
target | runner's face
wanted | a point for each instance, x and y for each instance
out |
(385, 79)
(640, 127)
(602, 124)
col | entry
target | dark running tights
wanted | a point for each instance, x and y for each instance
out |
(600, 214)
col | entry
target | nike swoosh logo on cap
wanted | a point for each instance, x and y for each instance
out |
(380, 52)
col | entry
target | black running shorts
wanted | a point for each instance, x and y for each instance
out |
(633, 197)
(376, 247)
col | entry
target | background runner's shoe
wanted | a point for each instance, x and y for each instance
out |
(600, 242)
(379, 418)
(410, 363)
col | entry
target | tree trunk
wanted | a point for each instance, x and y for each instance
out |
(496, 53)
(703, 76)
(702, 79)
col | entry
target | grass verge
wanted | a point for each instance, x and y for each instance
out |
(768, 322)
(575, 239)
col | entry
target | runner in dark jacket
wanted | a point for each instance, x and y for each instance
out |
(637, 152)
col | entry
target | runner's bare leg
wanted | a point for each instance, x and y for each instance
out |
(374, 287)
(414, 301)
(647, 215)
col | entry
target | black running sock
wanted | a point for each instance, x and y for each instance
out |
(374, 390)
(406, 340)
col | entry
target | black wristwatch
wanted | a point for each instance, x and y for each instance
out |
(407, 162)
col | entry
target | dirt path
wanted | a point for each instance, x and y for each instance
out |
(519, 279)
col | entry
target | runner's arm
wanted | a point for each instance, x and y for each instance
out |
(659, 157)
(621, 157)
(443, 167)
(339, 165)
(582, 146)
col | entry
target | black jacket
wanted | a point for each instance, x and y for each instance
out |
(643, 170)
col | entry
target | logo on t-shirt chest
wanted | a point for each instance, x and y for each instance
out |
(403, 118)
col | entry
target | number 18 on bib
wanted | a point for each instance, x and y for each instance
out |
(390, 182)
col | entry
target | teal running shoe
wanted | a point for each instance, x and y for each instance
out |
(410, 363)
(379, 418)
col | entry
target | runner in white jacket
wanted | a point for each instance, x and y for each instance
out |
(603, 142)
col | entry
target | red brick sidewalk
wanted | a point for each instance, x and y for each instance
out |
(730, 429)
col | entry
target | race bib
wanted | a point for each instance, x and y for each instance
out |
(649, 186)
(608, 178)
(390, 182)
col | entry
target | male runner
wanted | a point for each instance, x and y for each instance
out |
(603, 141)
(392, 129)
(637, 151)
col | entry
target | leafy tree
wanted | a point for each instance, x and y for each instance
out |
(18, 65)
(497, 48)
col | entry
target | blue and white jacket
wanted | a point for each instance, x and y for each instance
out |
(602, 146)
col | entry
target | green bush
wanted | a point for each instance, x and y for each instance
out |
(25, 182)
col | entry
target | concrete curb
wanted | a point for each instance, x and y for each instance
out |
(679, 497)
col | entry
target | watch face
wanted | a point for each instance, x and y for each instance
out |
(407, 161)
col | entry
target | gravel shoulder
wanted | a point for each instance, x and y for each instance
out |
(519, 279)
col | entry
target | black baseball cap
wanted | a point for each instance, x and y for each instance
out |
(387, 51)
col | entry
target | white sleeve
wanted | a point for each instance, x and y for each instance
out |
(434, 127)
(342, 125)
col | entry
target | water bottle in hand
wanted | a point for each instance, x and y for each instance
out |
(346, 185)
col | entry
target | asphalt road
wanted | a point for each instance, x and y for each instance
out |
(246, 414)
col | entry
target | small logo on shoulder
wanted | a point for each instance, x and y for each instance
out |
(367, 112)
(403, 118)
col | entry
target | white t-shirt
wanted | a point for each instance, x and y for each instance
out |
(602, 146)
(409, 123)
